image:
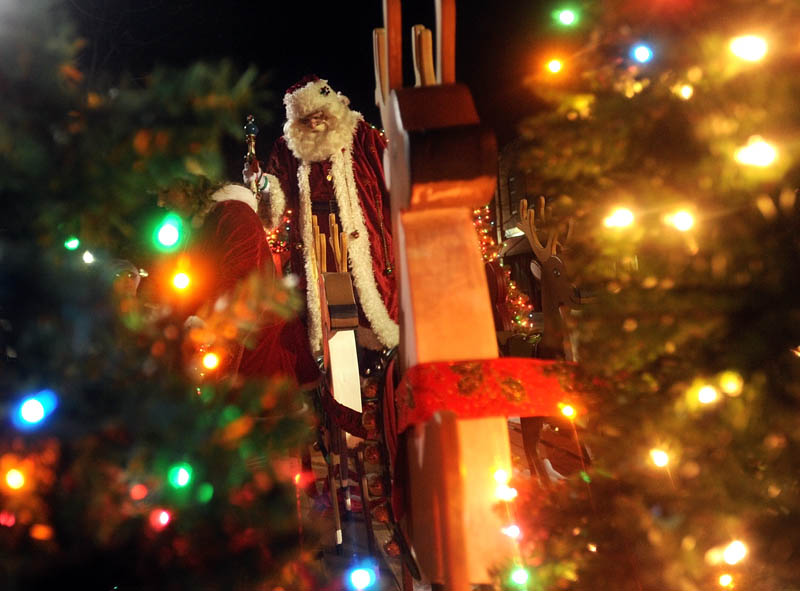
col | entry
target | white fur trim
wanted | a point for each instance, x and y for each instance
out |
(312, 285)
(351, 217)
(277, 200)
(359, 255)
(314, 96)
(236, 193)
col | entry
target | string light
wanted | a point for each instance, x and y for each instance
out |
(734, 552)
(685, 91)
(567, 410)
(566, 16)
(180, 280)
(72, 243)
(33, 410)
(682, 220)
(707, 394)
(138, 492)
(167, 234)
(756, 152)
(725, 580)
(519, 576)
(554, 66)
(15, 479)
(642, 53)
(210, 361)
(621, 217)
(180, 475)
(751, 48)
(512, 531)
(88, 257)
(659, 457)
(501, 477)
(159, 519)
(362, 577)
(731, 383)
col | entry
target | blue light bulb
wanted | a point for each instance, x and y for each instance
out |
(33, 410)
(642, 53)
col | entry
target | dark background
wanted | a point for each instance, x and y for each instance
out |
(285, 40)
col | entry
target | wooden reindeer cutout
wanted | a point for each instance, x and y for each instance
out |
(559, 297)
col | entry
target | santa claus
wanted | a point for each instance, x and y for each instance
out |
(329, 160)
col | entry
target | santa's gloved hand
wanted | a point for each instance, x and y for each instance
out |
(252, 173)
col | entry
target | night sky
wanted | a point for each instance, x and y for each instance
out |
(285, 40)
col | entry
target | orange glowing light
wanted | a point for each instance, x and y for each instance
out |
(15, 479)
(180, 280)
(210, 361)
(41, 531)
(554, 66)
(567, 410)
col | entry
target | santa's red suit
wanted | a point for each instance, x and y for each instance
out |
(329, 160)
(230, 246)
(336, 169)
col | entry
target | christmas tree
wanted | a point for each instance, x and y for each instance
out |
(128, 459)
(672, 140)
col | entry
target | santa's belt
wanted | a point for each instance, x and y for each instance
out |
(329, 206)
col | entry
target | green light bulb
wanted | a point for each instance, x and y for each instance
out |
(519, 576)
(168, 233)
(180, 475)
(567, 17)
(72, 243)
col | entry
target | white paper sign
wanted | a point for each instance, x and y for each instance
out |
(344, 369)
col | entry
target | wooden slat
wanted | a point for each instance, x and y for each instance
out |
(393, 22)
(445, 41)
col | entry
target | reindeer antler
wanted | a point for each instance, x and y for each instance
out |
(527, 224)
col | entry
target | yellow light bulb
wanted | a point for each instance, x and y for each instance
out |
(501, 477)
(210, 360)
(750, 48)
(731, 383)
(555, 66)
(619, 218)
(757, 152)
(725, 580)
(707, 394)
(181, 280)
(568, 411)
(659, 457)
(682, 220)
(15, 479)
(685, 91)
(505, 492)
(734, 552)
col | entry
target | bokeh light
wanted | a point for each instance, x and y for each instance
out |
(181, 280)
(659, 457)
(554, 66)
(734, 552)
(707, 394)
(519, 576)
(642, 53)
(15, 479)
(731, 383)
(210, 361)
(88, 257)
(621, 217)
(72, 243)
(751, 48)
(756, 152)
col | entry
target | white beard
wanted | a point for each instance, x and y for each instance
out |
(318, 144)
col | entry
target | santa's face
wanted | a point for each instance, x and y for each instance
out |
(316, 122)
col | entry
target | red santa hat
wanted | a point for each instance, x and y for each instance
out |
(311, 94)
